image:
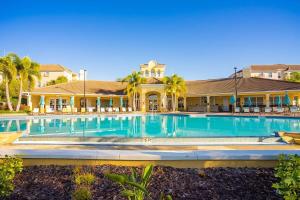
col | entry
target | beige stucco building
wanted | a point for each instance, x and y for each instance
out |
(276, 71)
(51, 72)
(201, 96)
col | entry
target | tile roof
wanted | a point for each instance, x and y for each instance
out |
(194, 88)
(227, 85)
(53, 68)
(274, 67)
(92, 87)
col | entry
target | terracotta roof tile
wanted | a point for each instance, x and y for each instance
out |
(53, 68)
(92, 87)
(227, 85)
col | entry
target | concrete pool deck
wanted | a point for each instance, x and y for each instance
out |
(176, 156)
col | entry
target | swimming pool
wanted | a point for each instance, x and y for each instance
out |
(152, 126)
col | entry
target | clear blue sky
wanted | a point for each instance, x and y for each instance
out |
(197, 39)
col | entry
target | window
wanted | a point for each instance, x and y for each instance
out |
(261, 74)
(146, 73)
(279, 75)
(270, 75)
(46, 74)
(295, 101)
(180, 103)
(158, 73)
(152, 73)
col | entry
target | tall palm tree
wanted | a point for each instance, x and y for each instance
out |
(174, 86)
(134, 80)
(27, 72)
(8, 70)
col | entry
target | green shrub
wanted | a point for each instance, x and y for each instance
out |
(82, 193)
(288, 172)
(134, 186)
(84, 179)
(9, 167)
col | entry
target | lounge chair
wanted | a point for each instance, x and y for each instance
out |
(237, 110)
(294, 109)
(123, 109)
(129, 109)
(117, 109)
(74, 110)
(246, 109)
(102, 110)
(49, 109)
(35, 111)
(256, 109)
(280, 110)
(268, 109)
(110, 110)
(274, 109)
(90, 109)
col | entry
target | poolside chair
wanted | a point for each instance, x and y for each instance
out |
(110, 110)
(35, 111)
(102, 109)
(237, 110)
(256, 110)
(117, 109)
(123, 109)
(246, 109)
(90, 109)
(49, 109)
(74, 110)
(268, 109)
(274, 109)
(280, 110)
(129, 109)
(294, 109)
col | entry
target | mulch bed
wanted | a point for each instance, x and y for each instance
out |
(55, 182)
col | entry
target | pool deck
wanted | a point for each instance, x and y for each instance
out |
(176, 156)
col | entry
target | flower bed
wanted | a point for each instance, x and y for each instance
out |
(57, 182)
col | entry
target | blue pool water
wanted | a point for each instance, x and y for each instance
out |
(160, 126)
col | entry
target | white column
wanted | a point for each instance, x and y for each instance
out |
(208, 104)
(267, 100)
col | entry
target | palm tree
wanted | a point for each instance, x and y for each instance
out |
(27, 72)
(176, 87)
(134, 80)
(8, 70)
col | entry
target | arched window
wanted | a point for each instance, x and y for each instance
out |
(146, 73)
(158, 73)
(152, 73)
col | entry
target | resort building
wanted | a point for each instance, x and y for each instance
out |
(51, 72)
(276, 71)
(201, 96)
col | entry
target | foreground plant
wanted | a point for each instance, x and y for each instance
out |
(288, 172)
(9, 167)
(135, 186)
(83, 182)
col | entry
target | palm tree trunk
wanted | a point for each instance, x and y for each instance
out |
(20, 95)
(8, 96)
(173, 103)
(133, 101)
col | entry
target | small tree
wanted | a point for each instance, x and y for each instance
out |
(176, 87)
(8, 70)
(60, 79)
(134, 80)
(294, 77)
